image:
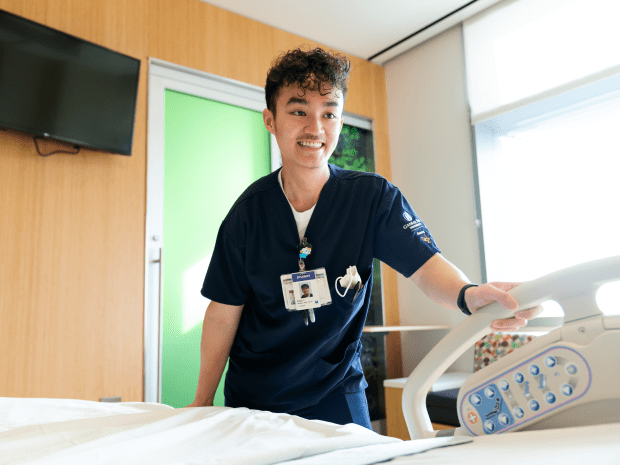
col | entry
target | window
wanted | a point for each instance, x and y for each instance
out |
(549, 187)
(545, 105)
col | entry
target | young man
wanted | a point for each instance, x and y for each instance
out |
(278, 363)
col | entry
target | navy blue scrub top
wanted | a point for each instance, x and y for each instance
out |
(276, 362)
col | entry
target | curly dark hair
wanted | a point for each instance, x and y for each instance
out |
(314, 70)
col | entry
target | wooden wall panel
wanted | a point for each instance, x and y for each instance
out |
(72, 226)
(71, 239)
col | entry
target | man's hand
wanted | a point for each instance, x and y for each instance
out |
(477, 297)
(441, 281)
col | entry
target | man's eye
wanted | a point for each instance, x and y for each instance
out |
(330, 115)
(298, 113)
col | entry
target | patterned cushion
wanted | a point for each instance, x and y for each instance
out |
(494, 346)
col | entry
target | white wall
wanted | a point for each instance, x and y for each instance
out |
(432, 162)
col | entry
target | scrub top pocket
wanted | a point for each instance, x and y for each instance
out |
(338, 362)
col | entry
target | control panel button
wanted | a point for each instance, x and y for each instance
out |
(519, 378)
(475, 399)
(472, 418)
(571, 369)
(550, 361)
(503, 385)
(503, 419)
(489, 426)
(489, 392)
(549, 397)
(534, 370)
(518, 412)
(567, 390)
(534, 405)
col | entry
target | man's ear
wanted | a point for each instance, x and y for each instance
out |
(269, 120)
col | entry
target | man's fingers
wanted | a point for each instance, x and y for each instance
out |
(518, 321)
(508, 324)
(505, 299)
(498, 292)
(530, 313)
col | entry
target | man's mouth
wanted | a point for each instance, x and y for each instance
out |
(310, 144)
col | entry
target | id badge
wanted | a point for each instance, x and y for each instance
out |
(305, 290)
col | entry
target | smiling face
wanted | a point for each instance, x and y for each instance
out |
(307, 125)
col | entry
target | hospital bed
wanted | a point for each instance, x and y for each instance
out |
(570, 430)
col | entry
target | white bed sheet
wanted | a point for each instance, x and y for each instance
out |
(56, 431)
(72, 432)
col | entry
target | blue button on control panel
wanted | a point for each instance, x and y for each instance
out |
(567, 390)
(489, 427)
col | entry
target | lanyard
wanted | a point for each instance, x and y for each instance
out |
(305, 249)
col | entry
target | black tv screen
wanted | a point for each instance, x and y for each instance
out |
(58, 86)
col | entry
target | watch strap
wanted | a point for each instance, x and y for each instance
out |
(460, 302)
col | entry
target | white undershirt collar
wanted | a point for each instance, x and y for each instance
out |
(302, 219)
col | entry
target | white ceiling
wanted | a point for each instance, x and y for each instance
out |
(369, 29)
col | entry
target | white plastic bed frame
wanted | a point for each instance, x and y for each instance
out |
(569, 377)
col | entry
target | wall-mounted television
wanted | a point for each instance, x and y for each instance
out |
(61, 87)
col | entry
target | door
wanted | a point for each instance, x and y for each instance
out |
(207, 143)
(212, 152)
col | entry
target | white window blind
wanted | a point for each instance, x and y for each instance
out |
(543, 82)
(522, 51)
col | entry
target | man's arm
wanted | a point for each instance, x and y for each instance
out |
(218, 332)
(441, 281)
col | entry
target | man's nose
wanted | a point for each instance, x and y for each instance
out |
(315, 125)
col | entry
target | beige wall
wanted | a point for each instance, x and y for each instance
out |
(72, 226)
(432, 164)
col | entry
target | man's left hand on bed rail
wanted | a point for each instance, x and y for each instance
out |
(442, 281)
(478, 297)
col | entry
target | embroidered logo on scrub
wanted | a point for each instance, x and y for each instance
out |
(413, 225)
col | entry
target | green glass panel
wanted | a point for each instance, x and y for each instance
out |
(212, 152)
(355, 150)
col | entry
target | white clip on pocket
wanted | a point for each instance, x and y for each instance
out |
(349, 280)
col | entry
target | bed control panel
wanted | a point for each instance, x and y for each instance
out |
(526, 392)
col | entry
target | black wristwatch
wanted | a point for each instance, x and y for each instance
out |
(460, 302)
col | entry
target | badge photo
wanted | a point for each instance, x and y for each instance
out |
(306, 292)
